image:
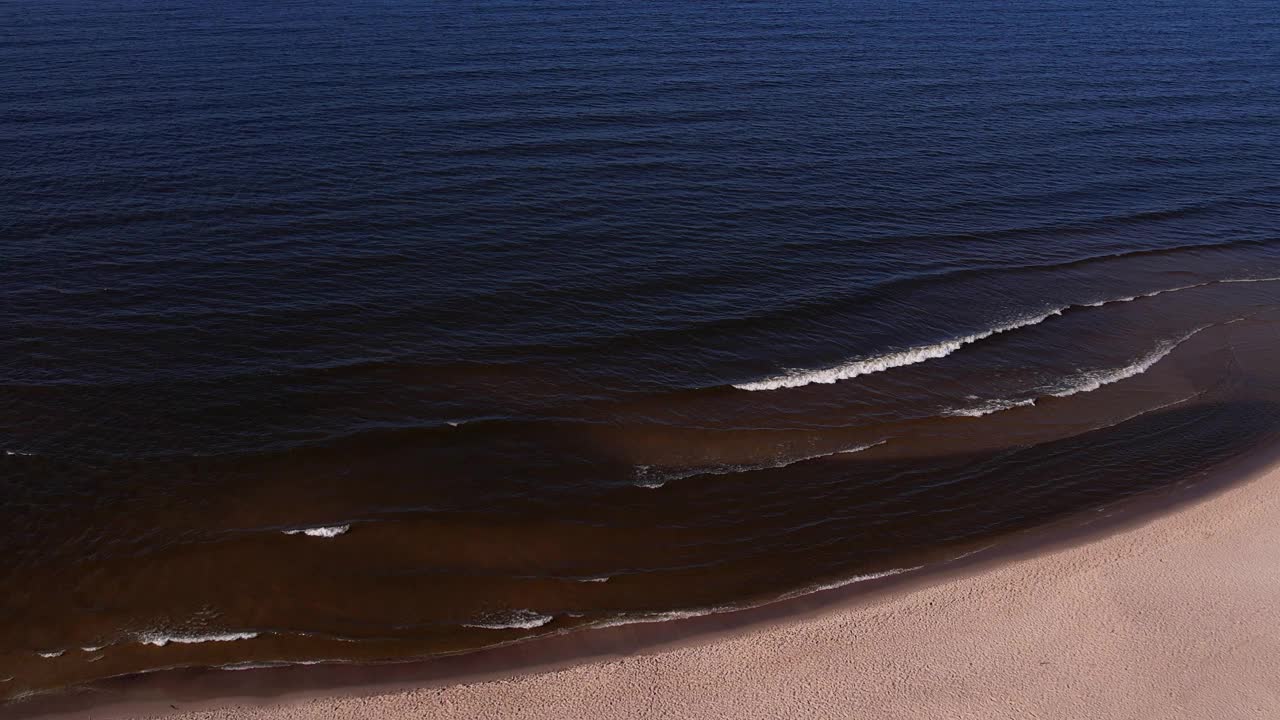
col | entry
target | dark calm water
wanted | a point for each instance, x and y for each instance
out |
(544, 315)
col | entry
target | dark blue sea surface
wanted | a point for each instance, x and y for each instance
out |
(549, 315)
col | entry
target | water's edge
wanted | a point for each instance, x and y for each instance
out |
(162, 692)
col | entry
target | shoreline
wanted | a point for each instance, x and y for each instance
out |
(278, 691)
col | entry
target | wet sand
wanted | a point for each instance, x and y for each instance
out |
(1174, 615)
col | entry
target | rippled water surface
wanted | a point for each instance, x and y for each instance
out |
(371, 330)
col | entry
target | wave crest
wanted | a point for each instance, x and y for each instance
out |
(515, 619)
(849, 581)
(160, 639)
(887, 361)
(989, 407)
(330, 531)
(1084, 382)
(921, 353)
(1094, 379)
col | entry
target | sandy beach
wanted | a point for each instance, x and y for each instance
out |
(1175, 616)
(589, 359)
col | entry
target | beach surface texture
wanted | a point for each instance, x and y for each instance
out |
(1175, 617)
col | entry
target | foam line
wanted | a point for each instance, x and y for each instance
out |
(921, 353)
(887, 361)
(331, 531)
(160, 639)
(648, 477)
(516, 619)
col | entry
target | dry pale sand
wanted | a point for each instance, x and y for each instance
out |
(1176, 618)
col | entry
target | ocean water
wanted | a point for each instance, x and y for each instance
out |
(376, 330)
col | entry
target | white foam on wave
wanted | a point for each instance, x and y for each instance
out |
(887, 361)
(652, 617)
(160, 639)
(1250, 280)
(1193, 286)
(649, 477)
(964, 555)
(989, 407)
(1153, 293)
(331, 531)
(513, 620)
(92, 648)
(16, 453)
(849, 581)
(1094, 379)
(911, 356)
(252, 665)
(52, 653)
(857, 448)
(601, 579)
(1086, 382)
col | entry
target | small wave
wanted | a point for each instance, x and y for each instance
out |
(989, 407)
(1084, 382)
(1250, 280)
(92, 648)
(52, 653)
(459, 422)
(17, 453)
(331, 531)
(849, 581)
(253, 665)
(1150, 410)
(601, 579)
(516, 619)
(921, 353)
(633, 619)
(1152, 294)
(648, 477)
(964, 555)
(638, 618)
(887, 361)
(159, 639)
(1094, 379)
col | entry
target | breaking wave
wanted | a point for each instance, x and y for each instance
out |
(160, 639)
(921, 353)
(848, 581)
(988, 407)
(653, 617)
(878, 363)
(251, 665)
(1082, 383)
(650, 617)
(330, 531)
(1094, 379)
(1154, 293)
(515, 619)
